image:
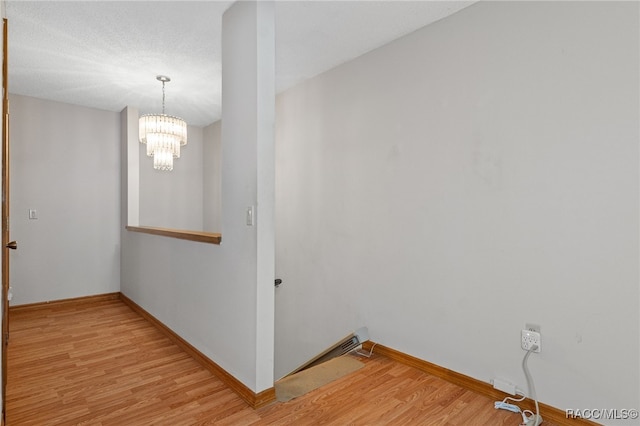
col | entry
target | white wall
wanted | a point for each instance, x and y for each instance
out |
(65, 164)
(174, 199)
(211, 177)
(476, 175)
(221, 298)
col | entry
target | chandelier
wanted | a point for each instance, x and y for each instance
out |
(163, 134)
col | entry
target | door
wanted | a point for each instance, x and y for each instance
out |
(6, 245)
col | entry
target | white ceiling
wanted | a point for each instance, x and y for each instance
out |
(106, 54)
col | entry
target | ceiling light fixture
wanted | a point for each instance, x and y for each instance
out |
(163, 134)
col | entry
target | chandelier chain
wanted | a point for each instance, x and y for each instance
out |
(163, 97)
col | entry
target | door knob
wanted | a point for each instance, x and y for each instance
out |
(12, 245)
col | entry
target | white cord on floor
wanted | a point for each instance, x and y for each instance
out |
(369, 354)
(529, 418)
(504, 405)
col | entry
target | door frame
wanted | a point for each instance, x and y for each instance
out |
(5, 215)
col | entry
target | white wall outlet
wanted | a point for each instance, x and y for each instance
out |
(529, 339)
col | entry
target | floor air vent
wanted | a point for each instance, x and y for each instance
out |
(343, 346)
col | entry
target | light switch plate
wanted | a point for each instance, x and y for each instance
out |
(250, 214)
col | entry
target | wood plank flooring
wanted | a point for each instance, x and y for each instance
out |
(101, 363)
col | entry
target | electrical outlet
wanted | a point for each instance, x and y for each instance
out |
(529, 339)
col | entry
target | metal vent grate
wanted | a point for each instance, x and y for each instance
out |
(350, 345)
(342, 347)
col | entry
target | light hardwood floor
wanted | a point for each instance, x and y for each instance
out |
(101, 363)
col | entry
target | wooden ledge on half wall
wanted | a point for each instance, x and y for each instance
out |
(199, 236)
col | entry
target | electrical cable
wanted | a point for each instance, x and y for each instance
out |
(515, 399)
(529, 418)
(504, 405)
(532, 389)
(366, 355)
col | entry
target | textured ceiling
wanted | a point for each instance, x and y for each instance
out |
(106, 54)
